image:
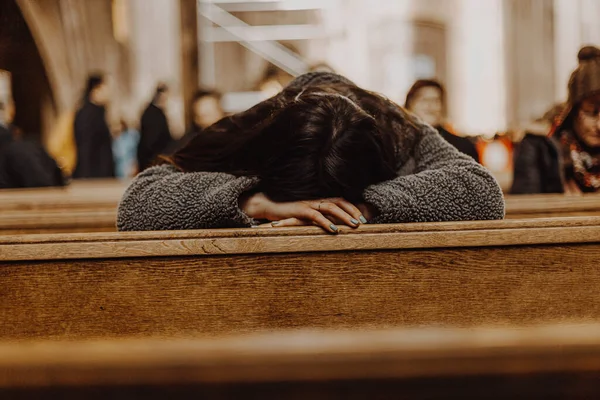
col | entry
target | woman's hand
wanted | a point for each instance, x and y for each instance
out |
(324, 213)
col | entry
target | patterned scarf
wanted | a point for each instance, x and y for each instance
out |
(582, 164)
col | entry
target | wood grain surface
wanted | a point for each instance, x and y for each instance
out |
(31, 210)
(91, 207)
(257, 241)
(307, 355)
(197, 296)
(534, 362)
(57, 221)
(84, 195)
(551, 205)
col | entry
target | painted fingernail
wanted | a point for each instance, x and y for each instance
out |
(363, 219)
(354, 222)
(334, 228)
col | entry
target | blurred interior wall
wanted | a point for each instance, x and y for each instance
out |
(530, 54)
(577, 23)
(156, 56)
(477, 86)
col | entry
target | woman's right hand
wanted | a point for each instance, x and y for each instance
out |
(324, 213)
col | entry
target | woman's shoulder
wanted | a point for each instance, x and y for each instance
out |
(158, 171)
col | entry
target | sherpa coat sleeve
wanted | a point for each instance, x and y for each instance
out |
(163, 198)
(443, 185)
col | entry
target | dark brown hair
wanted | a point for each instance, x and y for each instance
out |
(421, 84)
(318, 142)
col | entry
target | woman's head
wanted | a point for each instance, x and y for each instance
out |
(161, 95)
(426, 100)
(206, 108)
(584, 97)
(586, 121)
(96, 90)
(303, 144)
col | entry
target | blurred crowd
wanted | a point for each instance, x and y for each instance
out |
(558, 153)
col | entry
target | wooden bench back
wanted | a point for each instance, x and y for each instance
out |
(552, 205)
(84, 207)
(79, 195)
(535, 362)
(181, 284)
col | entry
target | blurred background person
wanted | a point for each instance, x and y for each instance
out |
(536, 146)
(23, 163)
(568, 161)
(155, 135)
(272, 81)
(206, 109)
(427, 99)
(92, 134)
(125, 144)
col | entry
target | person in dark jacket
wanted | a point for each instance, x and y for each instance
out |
(155, 136)
(426, 99)
(23, 163)
(568, 159)
(92, 134)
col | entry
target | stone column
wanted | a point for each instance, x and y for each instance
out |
(155, 53)
(477, 84)
(529, 59)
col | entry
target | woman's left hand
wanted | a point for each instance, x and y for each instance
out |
(326, 213)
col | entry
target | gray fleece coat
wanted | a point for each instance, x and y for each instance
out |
(437, 183)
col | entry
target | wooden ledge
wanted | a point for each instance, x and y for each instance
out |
(551, 203)
(300, 240)
(305, 356)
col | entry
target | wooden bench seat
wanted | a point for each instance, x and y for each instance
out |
(90, 206)
(551, 205)
(556, 362)
(79, 195)
(57, 221)
(68, 212)
(206, 283)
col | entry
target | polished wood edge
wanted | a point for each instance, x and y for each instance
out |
(207, 246)
(305, 356)
(566, 222)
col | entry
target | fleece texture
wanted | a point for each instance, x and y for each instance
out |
(435, 182)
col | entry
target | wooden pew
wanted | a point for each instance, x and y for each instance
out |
(207, 283)
(547, 362)
(57, 221)
(90, 206)
(79, 195)
(551, 205)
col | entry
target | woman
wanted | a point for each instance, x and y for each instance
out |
(324, 152)
(92, 135)
(426, 99)
(568, 161)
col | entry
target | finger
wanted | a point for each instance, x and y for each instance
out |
(330, 209)
(266, 225)
(290, 222)
(312, 215)
(350, 209)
